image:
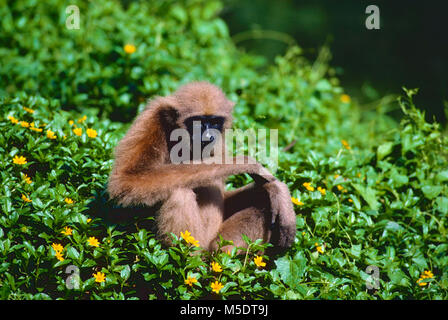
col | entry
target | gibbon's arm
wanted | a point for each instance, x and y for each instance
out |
(156, 183)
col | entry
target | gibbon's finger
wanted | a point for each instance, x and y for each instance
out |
(274, 221)
(275, 217)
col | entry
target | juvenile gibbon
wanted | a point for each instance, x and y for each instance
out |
(192, 196)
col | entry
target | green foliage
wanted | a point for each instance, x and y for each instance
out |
(369, 191)
(176, 41)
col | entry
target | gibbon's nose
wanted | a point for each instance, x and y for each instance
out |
(208, 136)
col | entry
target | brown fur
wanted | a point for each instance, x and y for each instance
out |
(192, 195)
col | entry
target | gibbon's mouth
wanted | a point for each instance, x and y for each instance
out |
(205, 143)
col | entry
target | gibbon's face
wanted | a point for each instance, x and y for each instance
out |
(204, 128)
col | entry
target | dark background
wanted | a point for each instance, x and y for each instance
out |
(410, 49)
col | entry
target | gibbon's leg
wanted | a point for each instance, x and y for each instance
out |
(252, 222)
(260, 212)
(246, 211)
(180, 212)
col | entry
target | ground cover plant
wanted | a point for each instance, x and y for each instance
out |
(370, 192)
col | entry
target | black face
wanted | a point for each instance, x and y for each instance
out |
(202, 125)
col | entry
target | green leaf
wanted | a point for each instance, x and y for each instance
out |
(432, 192)
(368, 194)
(442, 176)
(72, 253)
(125, 273)
(291, 271)
(442, 204)
(356, 250)
(398, 277)
(384, 150)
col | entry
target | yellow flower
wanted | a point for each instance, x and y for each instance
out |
(319, 248)
(321, 190)
(59, 256)
(422, 283)
(71, 122)
(77, 131)
(428, 274)
(28, 110)
(185, 235)
(129, 48)
(50, 134)
(350, 200)
(88, 220)
(425, 275)
(81, 120)
(26, 178)
(13, 120)
(57, 247)
(216, 267)
(297, 201)
(345, 144)
(99, 277)
(68, 200)
(189, 239)
(67, 231)
(216, 286)
(193, 241)
(92, 241)
(24, 124)
(25, 198)
(259, 261)
(340, 188)
(190, 281)
(336, 176)
(19, 160)
(308, 186)
(345, 98)
(36, 129)
(91, 133)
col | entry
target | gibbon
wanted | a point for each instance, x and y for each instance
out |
(192, 196)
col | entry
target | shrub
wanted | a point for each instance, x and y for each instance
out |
(367, 190)
(175, 41)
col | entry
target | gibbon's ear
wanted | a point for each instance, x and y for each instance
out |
(168, 117)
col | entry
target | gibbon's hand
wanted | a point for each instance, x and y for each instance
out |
(283, 215)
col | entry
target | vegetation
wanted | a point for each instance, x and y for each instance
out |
(368, 191)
